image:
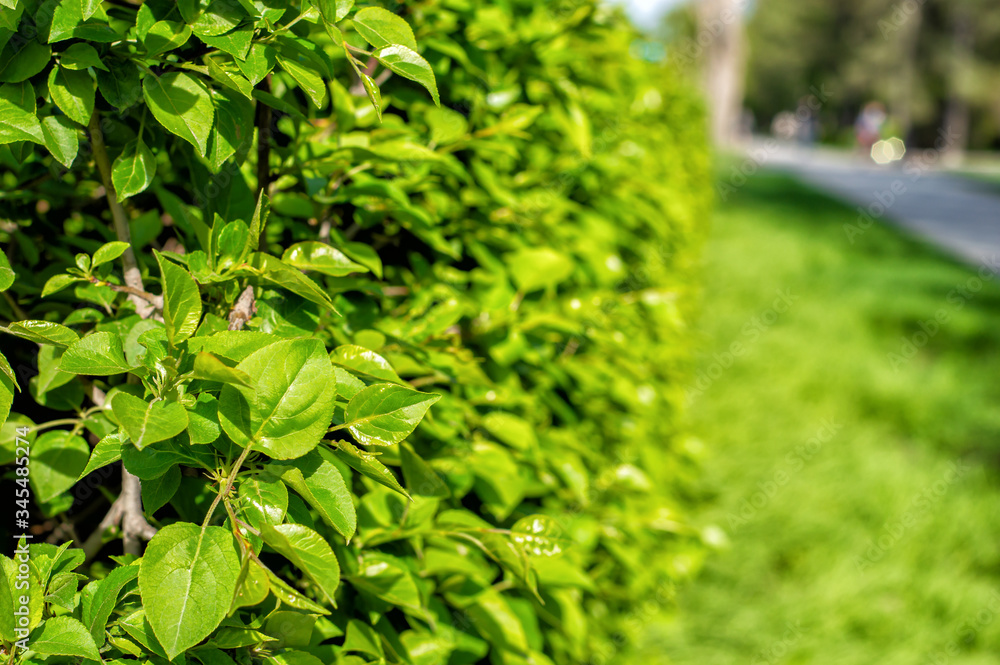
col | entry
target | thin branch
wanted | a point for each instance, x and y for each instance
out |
(229, 484)
(133, 277)
(18, 312)
(153, 299)
(127, 508)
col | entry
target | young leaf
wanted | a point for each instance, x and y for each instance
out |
(98, 354)
(73, 92)
(181, 301)
(316, 479)
(203, 419)
(187, 580)
(309, 552)
(290, 407)
(149, 422)
(109, 251)
(321, 257)
(380, 27)
(64, 636)
(384, 414)
(406, 62)
(182, 104)
(133, 170)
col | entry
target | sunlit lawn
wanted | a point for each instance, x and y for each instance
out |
(853, 446)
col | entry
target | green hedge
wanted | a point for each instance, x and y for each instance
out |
(399, 382)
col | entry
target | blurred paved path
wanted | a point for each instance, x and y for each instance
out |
(958, 214)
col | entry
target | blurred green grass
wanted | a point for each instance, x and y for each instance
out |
(831, 466)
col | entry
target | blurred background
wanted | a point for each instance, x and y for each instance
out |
(846, 398)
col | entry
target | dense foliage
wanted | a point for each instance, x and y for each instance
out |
(384, 327)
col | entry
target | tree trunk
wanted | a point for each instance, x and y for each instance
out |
(957, 114)
(721, 34)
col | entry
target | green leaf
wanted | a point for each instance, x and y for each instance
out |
(360, 360)
(209, 368)
(22, 58)
(362, 638)
(308, 79)
(277, 272)
(374, 94)
(537, 268)
(97, 354)
(289, 409)
(158, 491)
(133, 170)
(380, 27)
(233, 132)
(17, 114)
(385, 413)
(120, 83)
(406, 62)
(367, 463)
(203, 419)
(80, 56)
(95, 614)
(182, 105)
(7, 389)
(43, 332)
(260, 60)
(259, 219)
(264, 500)
(318, 256)
(539, 535)
(73, 92)
(236, 42)
(187, 580)
(307, 551)
(109, 251)
(149, 422)
(58, 283)
(6, 273)
(231, 344)
(181, 301)
(107, 451)
(386, 577)
(317, 479)
(334, 10)
(64, 636)
(165, 36)
(57, 458)
(420, 478)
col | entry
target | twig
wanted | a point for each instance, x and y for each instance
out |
(127, 508)
(133, 277)
(243, 310)
(18, 312)
(153, 299)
